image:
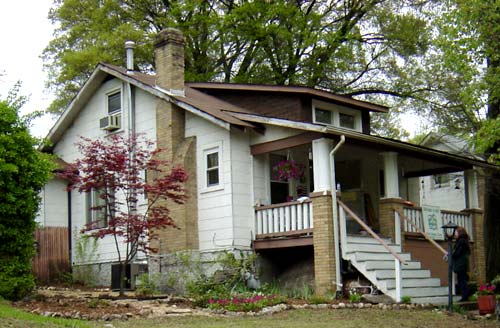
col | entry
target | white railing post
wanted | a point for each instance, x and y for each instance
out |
(294, 217)
(311, 221)
(281, 219)
(305, 212)
(287, 218)
(259, 222)
(397, 271)
(397, 229)
(270, 220)
(343, 231)
(300, 218)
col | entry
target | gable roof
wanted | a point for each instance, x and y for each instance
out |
(211, 108)
(451, 143)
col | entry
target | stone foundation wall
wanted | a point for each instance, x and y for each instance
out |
(174, 271)
(98, 275)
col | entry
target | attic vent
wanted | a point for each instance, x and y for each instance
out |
(110, 122)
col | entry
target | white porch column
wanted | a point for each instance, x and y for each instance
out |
(391, 175)
(472, 194)
(321, 151)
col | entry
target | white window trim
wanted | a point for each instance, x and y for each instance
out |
(110, 93)
(336, 109)
(91, 214)
(207, 150)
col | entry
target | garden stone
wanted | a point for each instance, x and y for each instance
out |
(342, 305)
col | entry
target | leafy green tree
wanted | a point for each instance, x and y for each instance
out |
(469, 40)
(357, 48)
(23, 172)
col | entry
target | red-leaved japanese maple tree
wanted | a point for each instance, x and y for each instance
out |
(114, 169)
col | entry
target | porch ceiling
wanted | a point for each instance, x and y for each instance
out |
(450, 161)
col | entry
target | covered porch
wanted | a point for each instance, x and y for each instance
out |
(377, 179)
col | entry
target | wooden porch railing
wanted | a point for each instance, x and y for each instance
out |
(284, 217)
(400, 215)
(415, 220)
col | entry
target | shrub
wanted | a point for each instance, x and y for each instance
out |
(145, 286)
(23, 172)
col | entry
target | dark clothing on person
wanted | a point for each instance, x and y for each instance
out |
(460, 256)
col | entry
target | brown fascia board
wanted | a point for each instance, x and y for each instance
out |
(325, 95)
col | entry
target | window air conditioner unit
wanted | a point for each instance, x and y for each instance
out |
(110, 122)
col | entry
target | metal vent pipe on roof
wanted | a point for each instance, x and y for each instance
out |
(129, 48)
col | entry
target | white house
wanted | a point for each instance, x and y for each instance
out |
(448, 189)
(232, 138)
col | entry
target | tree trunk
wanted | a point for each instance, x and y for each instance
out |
(123, 277)
(492, 225)
(492, 192)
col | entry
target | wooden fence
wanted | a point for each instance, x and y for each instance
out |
(52, 258)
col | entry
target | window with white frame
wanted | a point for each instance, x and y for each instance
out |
(97, 211)
(336, 115)
(440, 181)
(114, 102)
(212, 166)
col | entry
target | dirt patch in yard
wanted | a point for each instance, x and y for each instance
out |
(100, 304)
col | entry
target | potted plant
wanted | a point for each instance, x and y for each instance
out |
(288, 169)
(486, 300)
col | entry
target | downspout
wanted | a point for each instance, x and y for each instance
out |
(336, 240)
(70, 235)
(129, 49)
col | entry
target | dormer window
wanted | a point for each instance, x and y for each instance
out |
(336, 115)
(114, 103)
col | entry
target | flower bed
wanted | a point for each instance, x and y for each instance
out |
(242, 303)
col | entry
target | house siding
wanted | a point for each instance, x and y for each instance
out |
(242, 181)
(53, 210)
(86, 125)
(215, 211)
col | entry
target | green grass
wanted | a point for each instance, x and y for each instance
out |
(347, 318)
(12, 317)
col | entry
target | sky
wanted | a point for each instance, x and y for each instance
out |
(24, 32)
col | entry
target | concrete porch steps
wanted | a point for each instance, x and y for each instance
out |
(373, 261)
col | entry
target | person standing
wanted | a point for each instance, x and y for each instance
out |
(460, 256)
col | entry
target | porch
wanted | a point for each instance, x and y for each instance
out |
(380, 192)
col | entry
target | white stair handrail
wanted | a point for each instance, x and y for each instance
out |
(398, 260)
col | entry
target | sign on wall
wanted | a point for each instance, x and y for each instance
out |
(431, 215)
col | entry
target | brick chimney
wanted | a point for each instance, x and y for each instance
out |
(169, 61)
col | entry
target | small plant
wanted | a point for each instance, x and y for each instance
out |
(486, 290)
(406, 299)
(145, 286)
(496, 282)
(316, 299)
(354, 298)
(458, 309)
(95, 303)
(304, 293)
(253, 302)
